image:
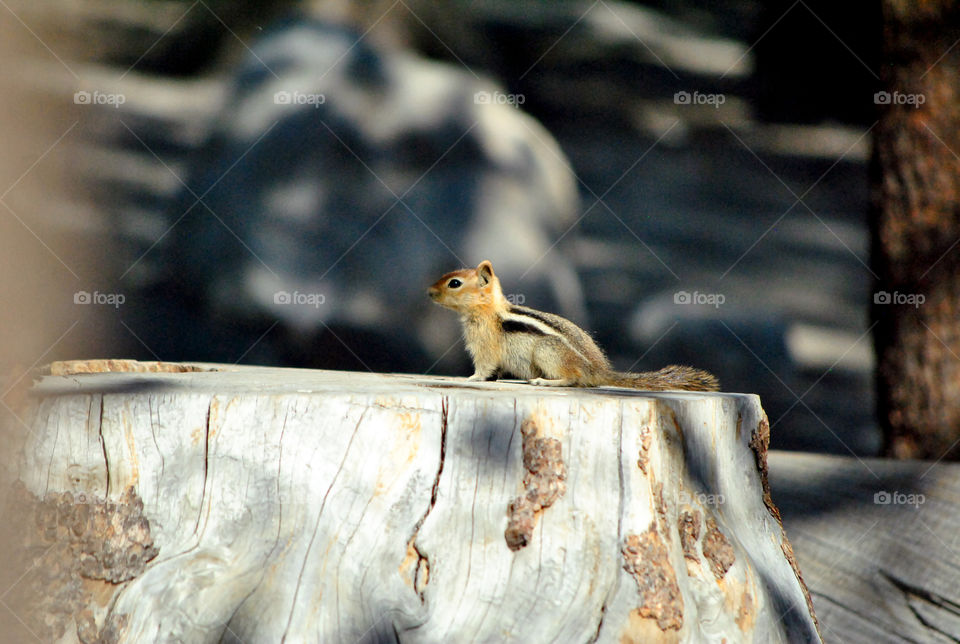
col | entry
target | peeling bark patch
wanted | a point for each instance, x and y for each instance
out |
(759, 443)
(647, 559)
(78, 550)
(644, 457)
(544, 483)
(116, 541)
(521, 520)
(717, 550)
(689, 528)
(661, 505)
(788, 553)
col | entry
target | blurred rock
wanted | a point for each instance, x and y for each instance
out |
(692, 194)
(340, 180)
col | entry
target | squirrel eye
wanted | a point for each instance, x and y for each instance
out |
(454, 283)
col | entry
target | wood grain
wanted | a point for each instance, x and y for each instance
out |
(877, 543)
(299, 505)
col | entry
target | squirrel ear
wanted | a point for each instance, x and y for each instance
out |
(485, 272)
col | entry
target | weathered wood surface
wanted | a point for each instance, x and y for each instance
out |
(296, 505)
(878, 544)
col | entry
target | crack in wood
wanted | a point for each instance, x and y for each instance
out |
(922, 593)
(153, 434)
(620, 509)
(322, 584)
(913, 594)
(206, 464)
(421, 573)
(103, 448)
(603, 614)
(316, 526)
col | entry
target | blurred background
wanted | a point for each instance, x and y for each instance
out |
(276, 183)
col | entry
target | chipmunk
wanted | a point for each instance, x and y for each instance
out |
(542, 348)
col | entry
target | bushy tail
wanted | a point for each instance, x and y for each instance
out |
(669, 378)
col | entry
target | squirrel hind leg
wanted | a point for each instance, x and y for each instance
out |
(557, 382)
(557, 364)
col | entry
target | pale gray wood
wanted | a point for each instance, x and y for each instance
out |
(297, 505)
(877, 572)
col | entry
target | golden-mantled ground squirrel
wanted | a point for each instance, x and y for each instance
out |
(543, 348)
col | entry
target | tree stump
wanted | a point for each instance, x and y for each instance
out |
(206, 503)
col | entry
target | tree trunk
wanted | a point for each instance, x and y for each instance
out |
(269, 505)
(916, 230)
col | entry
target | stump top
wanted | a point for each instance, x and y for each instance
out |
(130, 376)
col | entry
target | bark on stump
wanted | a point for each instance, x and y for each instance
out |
(249, 504)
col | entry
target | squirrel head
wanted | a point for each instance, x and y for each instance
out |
(470, 290)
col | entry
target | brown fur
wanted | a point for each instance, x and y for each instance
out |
(543, 348)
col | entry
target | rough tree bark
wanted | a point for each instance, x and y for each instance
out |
(916, 230)
(270, 505)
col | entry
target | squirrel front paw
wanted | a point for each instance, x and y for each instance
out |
(483, 376)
